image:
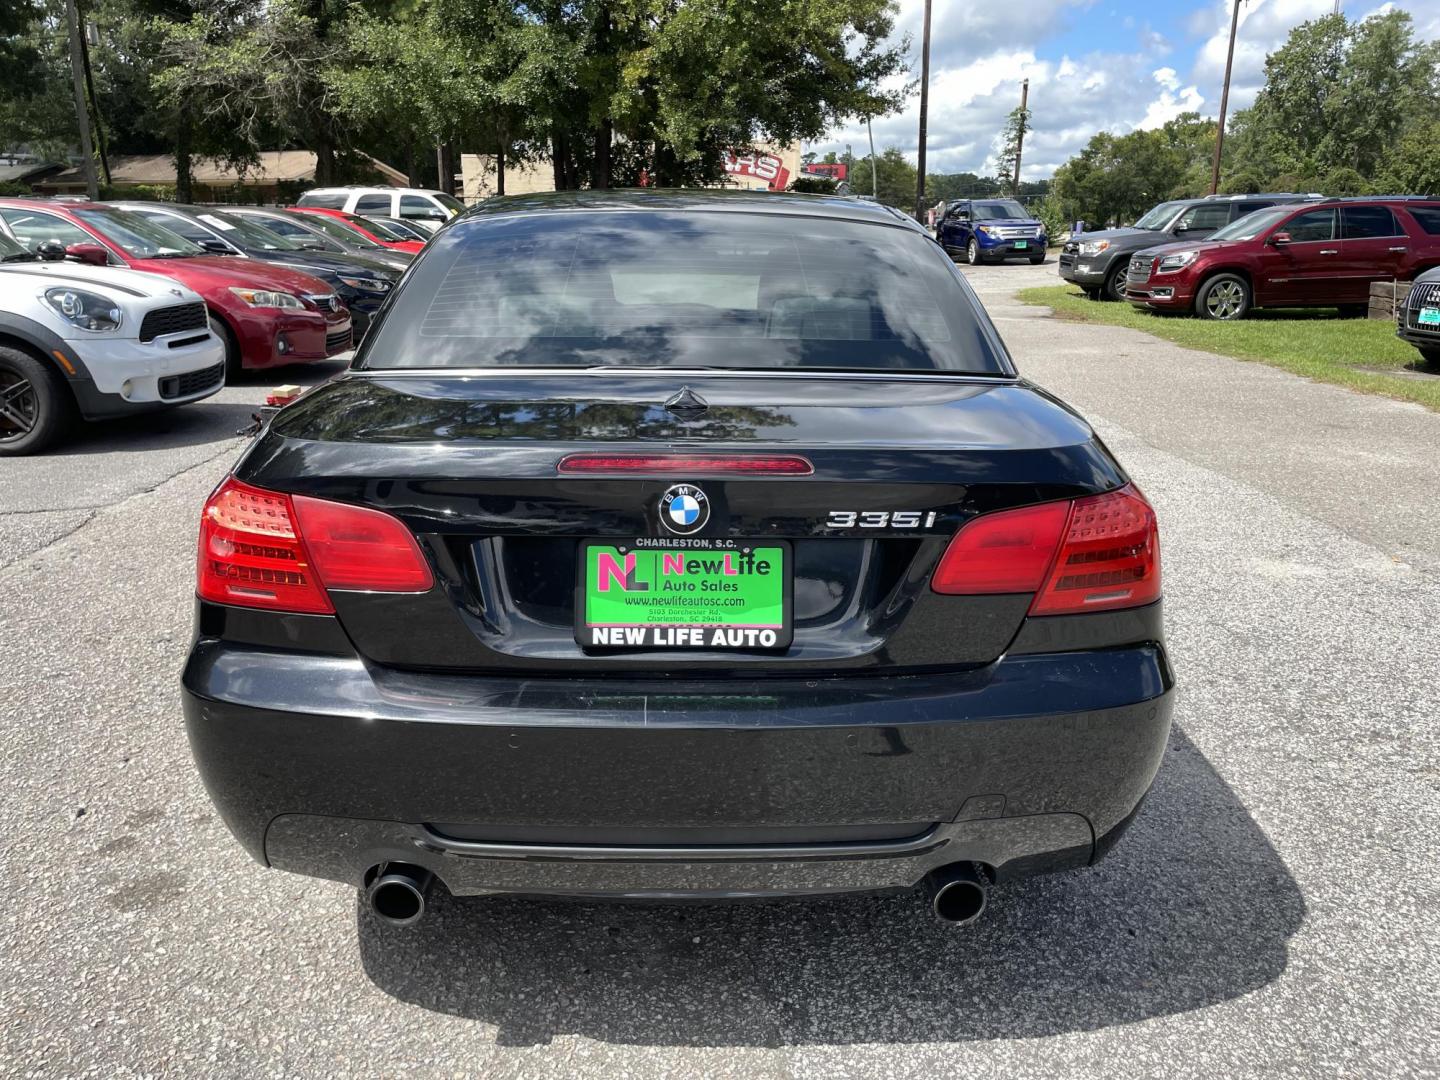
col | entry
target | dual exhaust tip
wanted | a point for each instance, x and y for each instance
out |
(957, 893)
(396, 892)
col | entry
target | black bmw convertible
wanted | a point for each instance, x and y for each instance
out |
(678, 545)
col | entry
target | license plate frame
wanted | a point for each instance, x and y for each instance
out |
(689, 623)
(1021, 245)
(1429, 316)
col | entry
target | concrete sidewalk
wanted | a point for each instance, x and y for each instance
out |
(1367, 465)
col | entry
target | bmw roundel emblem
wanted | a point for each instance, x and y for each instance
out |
(684, 509)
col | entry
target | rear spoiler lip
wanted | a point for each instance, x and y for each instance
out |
(996, 379)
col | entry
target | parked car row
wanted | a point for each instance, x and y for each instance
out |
(1098, 261)
(1316, 254)
(113, 308)
(1224, 256)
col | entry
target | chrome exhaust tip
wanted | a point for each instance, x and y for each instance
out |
(396, 892)
(957, 893)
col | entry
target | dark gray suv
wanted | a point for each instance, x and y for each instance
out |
(1096, 261)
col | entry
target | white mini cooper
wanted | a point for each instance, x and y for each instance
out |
(94, 342)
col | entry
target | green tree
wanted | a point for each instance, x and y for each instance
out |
(895, 176)
(1412, 164)
(1007, 159)
(1338, 95)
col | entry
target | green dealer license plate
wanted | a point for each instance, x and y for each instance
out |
(693, 593)
(1430, 316)
(1021, 245)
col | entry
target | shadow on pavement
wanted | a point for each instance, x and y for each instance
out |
(209, 421)
(1192, 908)
(213, 420)
(300, 374)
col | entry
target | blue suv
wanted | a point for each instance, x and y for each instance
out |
(991, 229)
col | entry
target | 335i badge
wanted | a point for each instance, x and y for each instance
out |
(695, 545)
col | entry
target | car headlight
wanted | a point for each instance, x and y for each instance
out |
(367, 284)
(983, 228)
(87, 310)
(268, 298)
(1168, 264)
(1094, 247)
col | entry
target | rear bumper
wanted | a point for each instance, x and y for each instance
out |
(325, 766)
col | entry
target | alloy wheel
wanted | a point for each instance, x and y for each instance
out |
(19, 406)
(1225, 300)
(972, 253)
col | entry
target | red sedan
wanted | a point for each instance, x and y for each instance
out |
(370, 230)
(266, 314)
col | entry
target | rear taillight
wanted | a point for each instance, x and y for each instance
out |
(269, 550)
(1006, 552)
(1092, 554)
(688, 464)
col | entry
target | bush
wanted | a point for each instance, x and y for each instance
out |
(1049, 211)
(813, 185)
(14, 189)
(139, 192)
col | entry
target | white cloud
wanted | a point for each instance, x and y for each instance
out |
(981, 52)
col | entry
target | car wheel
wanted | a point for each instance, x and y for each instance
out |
(35, 404)
(1225, 297)
(1114, 287)
(1037, 258)
(234, 364)
(1431, 357)
(972, 252)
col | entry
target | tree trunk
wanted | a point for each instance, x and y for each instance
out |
(183, 193)
(600, 167)
(665, 166)
(500, 168)
(324, 163)
(561, 162)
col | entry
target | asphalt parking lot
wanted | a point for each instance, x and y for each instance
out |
(1272, 911)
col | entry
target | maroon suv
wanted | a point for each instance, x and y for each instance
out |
(1317, 254)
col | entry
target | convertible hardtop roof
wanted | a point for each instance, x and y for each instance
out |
(840, 207)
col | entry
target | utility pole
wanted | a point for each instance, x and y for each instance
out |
(82, 113)
(88, 37)
(1020, 137)
(874, 173)
(924, 110)
(1224, 101)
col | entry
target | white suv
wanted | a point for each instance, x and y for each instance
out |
(428, 209)
(97, 342)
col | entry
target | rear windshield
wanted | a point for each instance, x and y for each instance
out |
(720, 290)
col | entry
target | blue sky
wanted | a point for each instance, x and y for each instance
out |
(1093, 65)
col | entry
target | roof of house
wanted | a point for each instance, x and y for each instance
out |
(29, 170)
(274, 166)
